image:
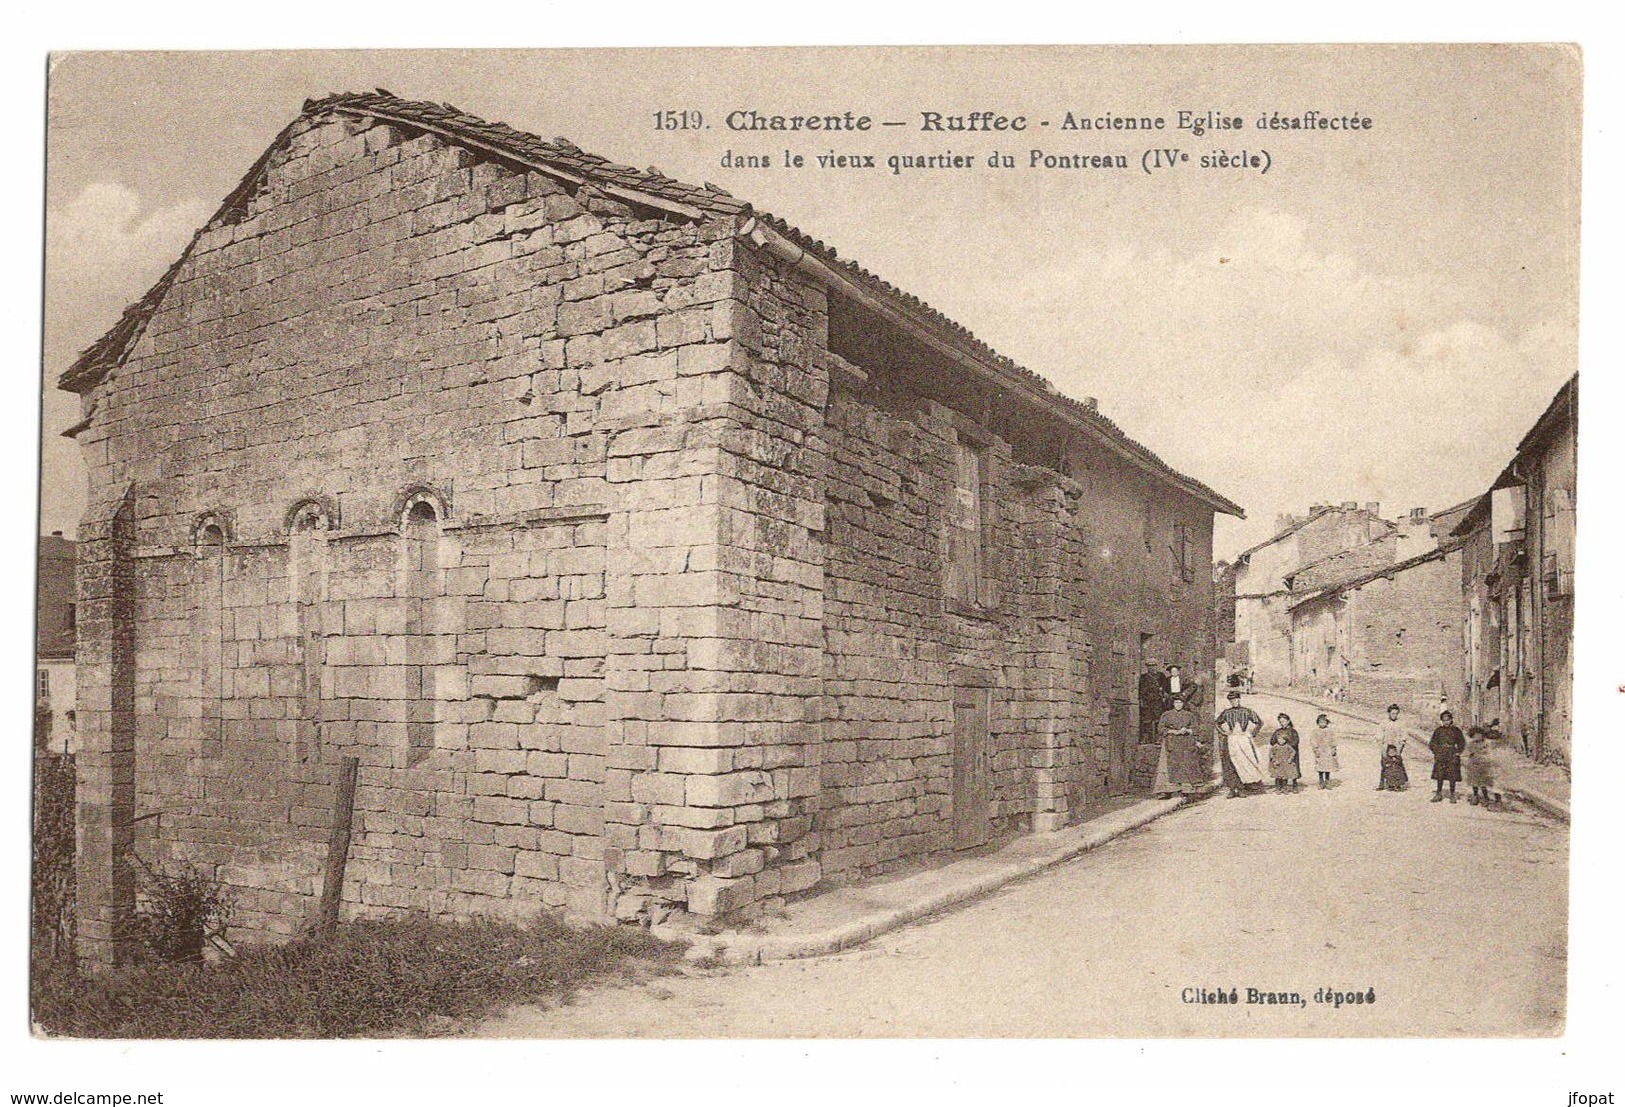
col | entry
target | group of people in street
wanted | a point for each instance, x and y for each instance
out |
(1238, 729)
(1456, 757)
(1185, 757)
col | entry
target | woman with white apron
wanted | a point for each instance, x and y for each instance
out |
(1237, 726)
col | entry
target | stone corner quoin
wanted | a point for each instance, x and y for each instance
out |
(645, 557)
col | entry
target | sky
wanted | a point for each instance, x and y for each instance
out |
(1379, 317)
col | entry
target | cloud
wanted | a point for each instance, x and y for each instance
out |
(104, 248)
(1283, 372)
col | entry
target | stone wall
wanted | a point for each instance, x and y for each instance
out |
(622, 578)
(1079, 583)
(1406, 637)
(479, 386)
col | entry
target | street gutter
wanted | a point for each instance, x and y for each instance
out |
(975, 879)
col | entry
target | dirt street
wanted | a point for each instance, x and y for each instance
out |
(1453, 917)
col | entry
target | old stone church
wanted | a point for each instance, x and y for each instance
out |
(645, 553)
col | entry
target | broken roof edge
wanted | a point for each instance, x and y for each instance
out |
(1440, 551)
(790, 246)
(1508, 477)
(1301, 523)
(564, 160)
(93, 364)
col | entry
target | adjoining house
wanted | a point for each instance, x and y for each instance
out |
(1377, 630)
(643, 552)
(1517, 588)
(1256, 582)
(54, 632)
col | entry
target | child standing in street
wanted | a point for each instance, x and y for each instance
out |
(1477, 769)
(1447, 745)
(1392, 735)
(1394, 777)
(1324, 744)
(1284, 755)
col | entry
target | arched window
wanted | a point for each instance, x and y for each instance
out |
(210, 534)
(422, 513)
(308, 522)
(309, 516)
(421, 504)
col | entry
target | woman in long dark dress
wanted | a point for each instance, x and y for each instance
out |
(1182, 750)
(1447, 743)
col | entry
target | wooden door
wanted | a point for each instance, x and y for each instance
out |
(971, 801)
(1121, 745)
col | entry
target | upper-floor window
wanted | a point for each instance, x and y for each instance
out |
(1184, 552)
(965, 568)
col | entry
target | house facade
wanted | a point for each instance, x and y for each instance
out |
(643, 553)
(1517, 589)
(1262, 598)
(55, 614)
(1377, 627)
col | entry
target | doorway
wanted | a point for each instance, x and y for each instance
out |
(972, 802)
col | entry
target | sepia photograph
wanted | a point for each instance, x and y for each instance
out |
(961, 542)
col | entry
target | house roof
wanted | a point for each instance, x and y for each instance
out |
(1367, 577)
(652, 189)
(53, 626)
(1561, 408)
(1367, 550)
(1298, 525)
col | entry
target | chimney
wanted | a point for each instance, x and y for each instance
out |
(1419, 515)
(1351, 505)
(1374, 509)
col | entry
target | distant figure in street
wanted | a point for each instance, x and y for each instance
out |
(1186, 760)
(1153, 699)
(1236, 728)
(1392, 733)
(1284, 754)
(1447, 745)
(1249, 682)
(1478, 770)
(1323, 743)
(1394, 777)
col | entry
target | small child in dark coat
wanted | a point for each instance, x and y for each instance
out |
(1447, 745)
(1394, 777)
(1284, 755)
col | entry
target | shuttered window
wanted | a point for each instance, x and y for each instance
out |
(964, 576)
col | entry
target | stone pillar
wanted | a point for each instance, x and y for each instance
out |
(1050, 659)
(106, 761)
(714, 582)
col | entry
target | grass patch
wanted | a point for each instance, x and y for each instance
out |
(367, 978)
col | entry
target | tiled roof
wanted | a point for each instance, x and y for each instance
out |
(1385, 571)
(1562, 405)
(1299, 524)
(652, 188)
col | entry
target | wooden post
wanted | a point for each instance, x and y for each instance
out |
(338, 846)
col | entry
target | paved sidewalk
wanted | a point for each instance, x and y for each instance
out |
(852, 915)
(1543, 786)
